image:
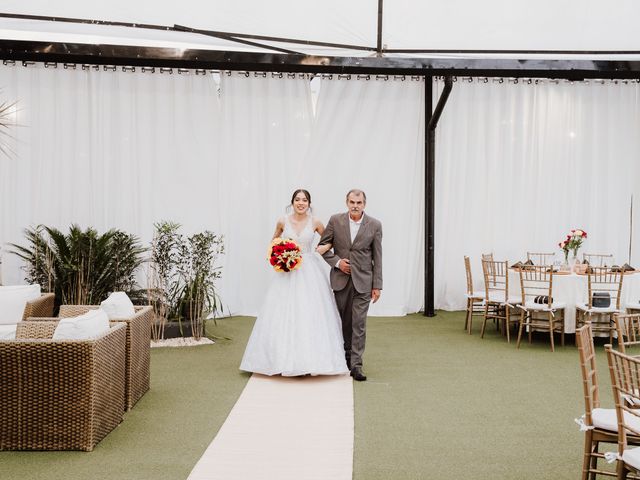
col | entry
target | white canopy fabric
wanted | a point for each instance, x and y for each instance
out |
(547, 25)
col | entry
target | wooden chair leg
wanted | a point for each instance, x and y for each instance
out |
(469, 310)
(586, 462)
(522, 316)
(551, 331)
(484, 321)
(507, 319)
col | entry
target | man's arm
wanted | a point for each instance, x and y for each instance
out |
(377, 258)
(327, 237)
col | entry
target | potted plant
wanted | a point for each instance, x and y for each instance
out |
(81, 267)
(183, 273)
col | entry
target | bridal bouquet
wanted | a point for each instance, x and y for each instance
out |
(284, 255)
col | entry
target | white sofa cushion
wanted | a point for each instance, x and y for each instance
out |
(89, 325)
(118, 305)
(13, 299)
(8, 332)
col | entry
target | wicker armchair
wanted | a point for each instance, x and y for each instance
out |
(60, 394)
(41, 307)
(138, 348)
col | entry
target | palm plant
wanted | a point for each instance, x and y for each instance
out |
(7, 120)
(81, 267)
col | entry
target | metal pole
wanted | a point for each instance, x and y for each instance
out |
(379, 36)
(431, 122)
(429, 198)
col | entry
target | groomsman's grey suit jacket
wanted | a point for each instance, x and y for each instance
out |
(364, 254)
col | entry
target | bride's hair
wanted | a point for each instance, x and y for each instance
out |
(306, 194)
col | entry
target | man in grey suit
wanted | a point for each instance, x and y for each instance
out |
(356, 273)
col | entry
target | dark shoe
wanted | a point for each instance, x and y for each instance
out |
(358, 376)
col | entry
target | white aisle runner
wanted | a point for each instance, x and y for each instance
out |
(285, 428)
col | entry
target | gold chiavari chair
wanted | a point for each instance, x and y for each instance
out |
(538, 309)
(475, 299)
(487, 256)
(625, 382)
(628, 330)
(603, 284)
(598, 259)
(541, 258)
(498, 303)
(600, 425)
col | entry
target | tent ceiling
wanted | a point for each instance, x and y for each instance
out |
(160, 42)
(408, 24)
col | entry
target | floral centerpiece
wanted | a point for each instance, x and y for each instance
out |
(572, 243)
(284, 255)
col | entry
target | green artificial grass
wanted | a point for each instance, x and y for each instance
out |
(439, 404)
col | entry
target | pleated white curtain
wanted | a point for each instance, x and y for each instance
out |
(369, 134)
(519, 164)
(267, 122)
(107, 149)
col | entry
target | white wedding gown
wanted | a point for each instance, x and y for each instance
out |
(298, 329)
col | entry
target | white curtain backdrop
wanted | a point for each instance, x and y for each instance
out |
(369, 134)
(266, 128)
(520, 164)
(109, 150)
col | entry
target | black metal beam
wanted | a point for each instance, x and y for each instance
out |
(379, 36)
(225, 36)
(429, 181)
(274, 62)
(431, 122)
(177, 28)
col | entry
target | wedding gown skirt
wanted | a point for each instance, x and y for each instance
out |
(298, 330)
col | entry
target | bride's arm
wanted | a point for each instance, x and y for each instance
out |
(319, 227)
(279, 228)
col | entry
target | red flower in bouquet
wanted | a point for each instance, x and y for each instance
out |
(284, 255)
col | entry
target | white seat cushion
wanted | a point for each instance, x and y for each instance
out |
(89, 325)
(634, 305)
(118, 305)
(8, 332)
(631, 456)
(606, 419)
(13, 299)
(498, 297)
(585, 308)
(543, 307)
(479, 294)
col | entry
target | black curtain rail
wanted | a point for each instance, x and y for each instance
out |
(279, 62)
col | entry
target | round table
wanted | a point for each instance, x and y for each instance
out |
(572, 289)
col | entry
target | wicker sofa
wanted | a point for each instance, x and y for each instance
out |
(40, 307)
(138, 348)
(60, 394)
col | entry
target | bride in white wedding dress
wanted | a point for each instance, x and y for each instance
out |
(298, 329)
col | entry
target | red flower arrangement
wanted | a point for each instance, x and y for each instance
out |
(284, 255)
(573, 242)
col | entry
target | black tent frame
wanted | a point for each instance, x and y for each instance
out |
(288, 60)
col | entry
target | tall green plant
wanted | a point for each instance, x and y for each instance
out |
(81, 267)
(183, 274)
(162, 277)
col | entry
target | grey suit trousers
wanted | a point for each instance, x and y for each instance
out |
(353, 307)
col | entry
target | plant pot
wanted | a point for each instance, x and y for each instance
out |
(172, 329)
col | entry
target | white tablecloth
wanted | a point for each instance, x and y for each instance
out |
(573, 289)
